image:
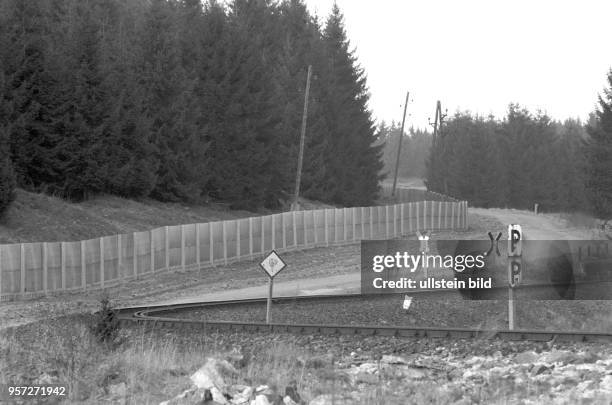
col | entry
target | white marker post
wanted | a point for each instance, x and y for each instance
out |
(515, 238)
(272, 265)
(407, 302)
(424, 240)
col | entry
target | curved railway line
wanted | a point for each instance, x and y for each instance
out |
(167, 316)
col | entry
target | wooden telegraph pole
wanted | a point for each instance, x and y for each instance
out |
(298, 177)
(399, 146)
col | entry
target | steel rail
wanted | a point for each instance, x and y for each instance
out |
(151, 315)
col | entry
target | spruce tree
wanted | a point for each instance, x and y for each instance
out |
(7, 175)
(353, 161)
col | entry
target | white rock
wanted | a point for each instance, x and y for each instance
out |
(412, 373)
(470, 374)
(475, 360)
(606, 383)
(288, 401)
(388, 359)
(118, 390)
(243, 396)
(218, 396)
(261, 400)
(558, 356)
(526, 357)
(367, 368)
(263, 390)
(325, 399)
(211, 374)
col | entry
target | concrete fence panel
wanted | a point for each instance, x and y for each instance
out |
(57, 266)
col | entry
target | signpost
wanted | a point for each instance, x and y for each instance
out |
(424, 241)
(515, 251)
(407, 302)
(272, 265)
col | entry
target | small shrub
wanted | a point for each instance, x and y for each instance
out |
(106, 324)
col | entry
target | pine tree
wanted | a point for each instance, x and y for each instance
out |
(598, 150)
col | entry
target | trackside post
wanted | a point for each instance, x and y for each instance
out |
(272, 265)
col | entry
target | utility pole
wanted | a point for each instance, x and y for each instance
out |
(298, 177)
(399, 146)
(437, 129)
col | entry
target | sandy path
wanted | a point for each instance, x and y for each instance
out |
(535, 227)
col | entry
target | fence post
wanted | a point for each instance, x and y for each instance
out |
(293, 218)
(238, 238)
(273, 232)
(22, 275)
(409, 217)
(345, 224)
(335, 222)
(119, 261)
(445, 214)
(83, 267)
(183, 247)
(45, 269)
(362, 222)
(402, 206)
(326, 226)
(263, 234)
(63, 264)
(210, 243)
(283, 230)
(386, 222)
(250, 236)
(354, 217)
(134, 257)
(225, 242)
(152, 249)
(306, 226)
(453, 215)
(371, 224)
(418, 226)
(314, 226)
(433, 203)
(395, 220)
(197, 237)
(101, 261)
(167, 245)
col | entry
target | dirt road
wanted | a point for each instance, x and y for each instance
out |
(535, 227)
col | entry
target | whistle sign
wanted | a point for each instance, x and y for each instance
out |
(515, 251)
(514, 271)
(515, 238)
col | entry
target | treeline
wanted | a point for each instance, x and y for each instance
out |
(415, 148)
(526, 158)
(181, 101)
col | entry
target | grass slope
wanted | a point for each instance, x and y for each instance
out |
(41, 218)
(36, 217)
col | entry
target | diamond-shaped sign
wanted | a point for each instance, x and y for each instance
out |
(272, 264)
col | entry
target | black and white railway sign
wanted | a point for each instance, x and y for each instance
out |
(272, 264)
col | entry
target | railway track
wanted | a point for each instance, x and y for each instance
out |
(160, 317)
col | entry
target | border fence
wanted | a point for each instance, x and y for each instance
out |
(32, 269)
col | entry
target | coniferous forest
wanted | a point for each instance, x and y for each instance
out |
(514, 162)
(181, 101)
(524, 159)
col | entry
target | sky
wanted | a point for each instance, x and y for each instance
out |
(479, 55)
